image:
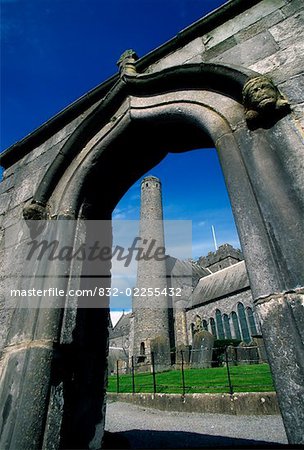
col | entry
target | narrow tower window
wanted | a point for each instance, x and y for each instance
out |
(142, 350)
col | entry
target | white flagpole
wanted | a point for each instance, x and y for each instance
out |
(214, 238)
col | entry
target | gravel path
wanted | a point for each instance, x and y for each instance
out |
(140, 427)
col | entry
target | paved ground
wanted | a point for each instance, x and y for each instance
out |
(137, 427)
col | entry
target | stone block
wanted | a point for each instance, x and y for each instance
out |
(283, 64)
(189, 51)
(7, 184)
(11, 170)
(298, 115)
(243, 20)
(294, 89)
(260, 26)
(5, 200)
(30, 178)
(289, 31)
(292, 7)
(41, 160)
(250, 51)
(219, 49)
(51, 146)
(11, 216)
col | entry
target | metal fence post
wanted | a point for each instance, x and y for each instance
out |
(183, 374)
(153, 372)
(117, 377)
(133, 376)
(228, 372)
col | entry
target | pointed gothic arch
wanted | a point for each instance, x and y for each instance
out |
(106, 150)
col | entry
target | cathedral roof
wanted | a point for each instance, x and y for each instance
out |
(186, 271)
(220, 284)
(122, 327)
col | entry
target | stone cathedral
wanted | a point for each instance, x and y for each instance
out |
(213, 295)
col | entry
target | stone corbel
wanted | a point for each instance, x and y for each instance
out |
(35, 211)
(263, 102)
(126, 63)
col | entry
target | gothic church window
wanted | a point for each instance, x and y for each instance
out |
(227, 326)
(251, 321)
(236, 326)
(213, 327)
(243, 322)
(219, 324)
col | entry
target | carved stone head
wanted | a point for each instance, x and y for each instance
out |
(126, 62)
(262, 100)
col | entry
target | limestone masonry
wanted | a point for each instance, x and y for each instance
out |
(232, 80)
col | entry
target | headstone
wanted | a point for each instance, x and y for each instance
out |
(247, 353)
(161, 353)
(259, 341)
(185, 350)
(232, 355)
(202, 349)
(120, 355)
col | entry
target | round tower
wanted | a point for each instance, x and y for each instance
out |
(150, 302)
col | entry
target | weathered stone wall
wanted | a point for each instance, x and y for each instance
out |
(267, 38)
(17, 188)
(224, 257)
(243, 403)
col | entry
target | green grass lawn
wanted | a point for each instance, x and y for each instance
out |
(244, 378)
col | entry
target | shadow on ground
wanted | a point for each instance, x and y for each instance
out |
(142, 439)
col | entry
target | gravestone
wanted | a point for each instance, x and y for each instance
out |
(161, 354)
(183, 353)
(259, 341)
(247, 353)
(202, 348)
(232, 355)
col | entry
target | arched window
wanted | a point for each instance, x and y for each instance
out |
(213, 327)
(205, 325)
(243, 322)
(227, 326)
(252, 325)
(142, 350)
(219, 324)
(192, 326)
(236, 326)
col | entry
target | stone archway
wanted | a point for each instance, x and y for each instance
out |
(129, 132)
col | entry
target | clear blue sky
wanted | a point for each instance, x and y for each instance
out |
(54, 51)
